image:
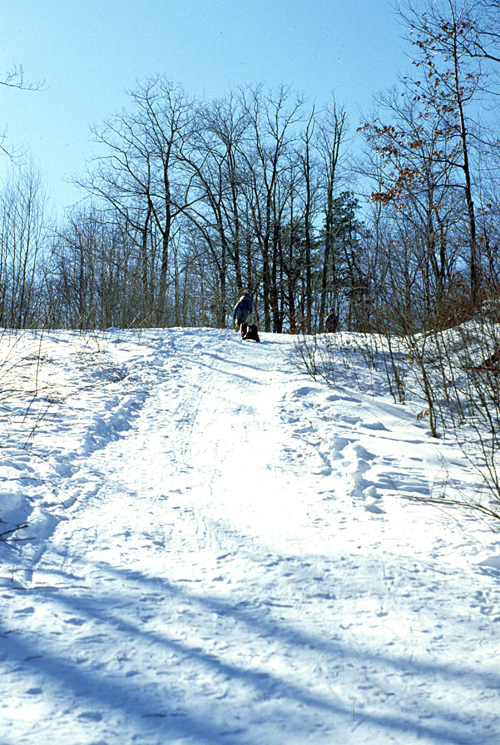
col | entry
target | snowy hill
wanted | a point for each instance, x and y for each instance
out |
(221, 551)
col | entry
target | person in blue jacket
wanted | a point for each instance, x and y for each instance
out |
(332, 322)
(242, 310)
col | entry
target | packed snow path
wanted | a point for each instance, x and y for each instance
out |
(225, 556)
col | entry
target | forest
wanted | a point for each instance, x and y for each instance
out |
(392, 221)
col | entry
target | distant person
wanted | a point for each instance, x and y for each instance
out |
(332, 322)
(242, 310)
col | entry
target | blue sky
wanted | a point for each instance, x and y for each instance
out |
(90, 52)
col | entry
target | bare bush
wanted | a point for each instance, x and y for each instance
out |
(453, 372)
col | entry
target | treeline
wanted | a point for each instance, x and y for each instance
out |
(190, 202)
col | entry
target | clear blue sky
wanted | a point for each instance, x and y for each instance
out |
(90, 52)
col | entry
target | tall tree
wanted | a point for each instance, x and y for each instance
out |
(442, 33)
(217, 180)
(273, 116)
(330, 137)
(24, 230)
(140, 178)
(417, 156)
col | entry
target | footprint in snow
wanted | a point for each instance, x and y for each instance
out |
(339, 445)
(75, 621)
(25, 611)
(375, 509)
(90, 716)
(362, 453)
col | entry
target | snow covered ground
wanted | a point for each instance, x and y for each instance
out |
(221, 551)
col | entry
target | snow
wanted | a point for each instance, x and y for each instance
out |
(222, 551)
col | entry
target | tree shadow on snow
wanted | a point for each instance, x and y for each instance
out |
(158, 697)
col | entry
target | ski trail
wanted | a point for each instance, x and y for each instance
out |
(230, 576)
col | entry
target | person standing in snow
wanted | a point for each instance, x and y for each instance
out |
(332, 322)
(242, 310)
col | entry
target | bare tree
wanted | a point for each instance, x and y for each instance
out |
(139, 178)
(15, 78)
(445, 35)
(24, 232)
(216, 194)
(92, 279)
(273, 118)
(415, 186)
(330, 136)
